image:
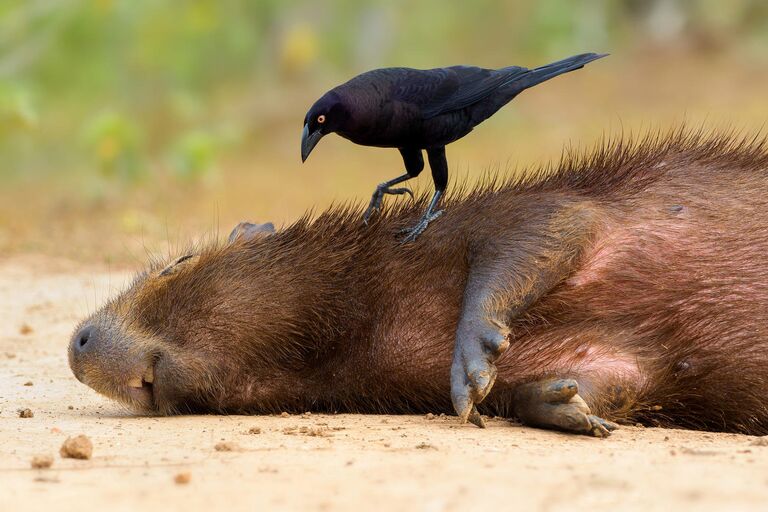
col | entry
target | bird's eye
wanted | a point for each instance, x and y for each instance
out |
(321, 119)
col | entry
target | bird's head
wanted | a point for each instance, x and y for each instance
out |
(327, 115)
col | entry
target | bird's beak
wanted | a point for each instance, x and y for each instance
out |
(309, 141)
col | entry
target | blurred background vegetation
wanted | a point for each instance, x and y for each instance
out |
(133, 125)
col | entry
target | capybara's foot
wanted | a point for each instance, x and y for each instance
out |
(478, 345)
(555, 403)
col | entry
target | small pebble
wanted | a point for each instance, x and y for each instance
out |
(225, 446)
(254, 430)
(41, 461)
(79, 447)
(26, 413)
(182, 478)
(29, 383)
(25, 329)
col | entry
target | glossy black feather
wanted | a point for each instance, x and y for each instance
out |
(415, 110)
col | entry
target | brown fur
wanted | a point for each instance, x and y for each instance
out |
(658, 305)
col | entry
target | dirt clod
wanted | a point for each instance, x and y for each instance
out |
(284, 415)
(29, 383)
(182, 478)
(225, 446)
(307, 431)
(254, 430)
(429, 416)
(26, 413)
(425, 446)
(25, 330)
(41, 461)
(78, 447)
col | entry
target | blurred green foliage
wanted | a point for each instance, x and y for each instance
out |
(159, 83)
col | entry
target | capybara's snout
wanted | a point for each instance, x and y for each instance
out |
(85, 340)
(107, 359)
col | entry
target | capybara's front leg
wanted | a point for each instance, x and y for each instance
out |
(504, 279)
(556, 404)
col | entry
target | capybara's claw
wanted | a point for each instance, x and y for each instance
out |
(476, 418)
(473, 372)
(599, 427)
(607, 425)
(468, 412)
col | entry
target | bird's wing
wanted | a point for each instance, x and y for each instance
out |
(437, 91)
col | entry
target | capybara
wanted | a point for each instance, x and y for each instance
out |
(627, 284)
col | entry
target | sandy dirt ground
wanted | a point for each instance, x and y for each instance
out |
(315, 461)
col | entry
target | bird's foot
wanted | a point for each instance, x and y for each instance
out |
(413, 232)
(378, 195)
(478, 345)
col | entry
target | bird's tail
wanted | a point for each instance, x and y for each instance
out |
(544, 73)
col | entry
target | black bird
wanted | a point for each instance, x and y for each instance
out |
(415, 110)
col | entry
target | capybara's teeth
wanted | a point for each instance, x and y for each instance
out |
(149, 375)
(135, 383)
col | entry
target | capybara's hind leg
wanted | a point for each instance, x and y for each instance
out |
(555, 403)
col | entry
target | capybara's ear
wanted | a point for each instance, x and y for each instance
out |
(248, 230)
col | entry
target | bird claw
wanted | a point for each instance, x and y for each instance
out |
(378, 196)
(413, 232)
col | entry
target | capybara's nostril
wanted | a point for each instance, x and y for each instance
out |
(83, 339)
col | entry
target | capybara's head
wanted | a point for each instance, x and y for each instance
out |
(207, 332)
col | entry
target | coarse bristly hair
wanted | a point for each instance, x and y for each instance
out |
(662, 318)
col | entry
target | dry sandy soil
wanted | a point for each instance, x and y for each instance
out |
(315, 462)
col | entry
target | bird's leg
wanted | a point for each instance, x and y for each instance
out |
(439, 166)
(386, 188)
(429, 215)
(414, 163)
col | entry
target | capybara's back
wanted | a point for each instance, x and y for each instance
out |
(634, 278)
